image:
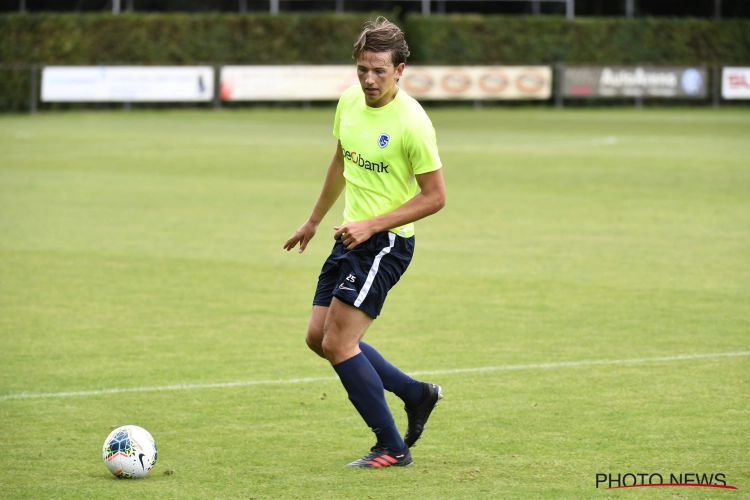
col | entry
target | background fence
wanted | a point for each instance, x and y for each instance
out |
(214, 85)
(630, 8)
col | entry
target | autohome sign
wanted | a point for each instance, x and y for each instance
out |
(604, 82)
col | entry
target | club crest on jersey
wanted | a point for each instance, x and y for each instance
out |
(383, 140)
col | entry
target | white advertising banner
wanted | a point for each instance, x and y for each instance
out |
(308, 83)
(735, 83)
(127, 83)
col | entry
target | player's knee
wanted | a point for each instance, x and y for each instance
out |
(330, 346)
(315, 343)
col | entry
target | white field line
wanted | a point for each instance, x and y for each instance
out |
(294, 381)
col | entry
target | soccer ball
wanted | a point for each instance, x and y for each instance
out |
(129, 452)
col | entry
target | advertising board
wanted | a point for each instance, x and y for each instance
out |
(278, 83)
(478, 82)
(603, 82)
(127, 83)
(735, 83)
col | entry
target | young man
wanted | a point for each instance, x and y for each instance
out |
(386, 142)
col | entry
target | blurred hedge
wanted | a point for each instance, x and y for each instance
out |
(176, 38)
(328, 37)
(508, 40)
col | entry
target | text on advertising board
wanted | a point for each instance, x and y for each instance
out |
(634, 81)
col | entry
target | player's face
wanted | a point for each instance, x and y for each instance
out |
(378, 76)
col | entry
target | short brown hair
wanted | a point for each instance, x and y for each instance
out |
(381, 35)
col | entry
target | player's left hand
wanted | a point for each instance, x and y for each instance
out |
(354, 233)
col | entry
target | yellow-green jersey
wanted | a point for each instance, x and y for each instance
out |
(384, 149)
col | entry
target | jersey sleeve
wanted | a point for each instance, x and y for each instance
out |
(421, 146)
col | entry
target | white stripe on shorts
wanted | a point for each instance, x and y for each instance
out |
(374, 270)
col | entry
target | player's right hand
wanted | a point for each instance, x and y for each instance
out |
(303, 236)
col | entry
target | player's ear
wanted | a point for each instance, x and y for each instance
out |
(400, 70)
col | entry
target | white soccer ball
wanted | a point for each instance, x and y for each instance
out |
(129, 452)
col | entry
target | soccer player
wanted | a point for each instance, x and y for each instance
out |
(386, 147)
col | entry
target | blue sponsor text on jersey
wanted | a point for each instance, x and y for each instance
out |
(357, 159)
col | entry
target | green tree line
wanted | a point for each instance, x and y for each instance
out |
(326, 38)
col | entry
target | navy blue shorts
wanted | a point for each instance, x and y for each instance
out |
(362, 277)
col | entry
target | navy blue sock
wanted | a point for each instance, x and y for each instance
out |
(394, 380)
(365, 390)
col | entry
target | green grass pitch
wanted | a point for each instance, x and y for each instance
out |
(144, 250)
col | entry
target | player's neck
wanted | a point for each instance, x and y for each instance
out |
(385, 100)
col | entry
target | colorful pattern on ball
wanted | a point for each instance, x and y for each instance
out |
(129, 452)
(121, 443)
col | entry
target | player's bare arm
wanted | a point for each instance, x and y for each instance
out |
(428, 201)
(332, 188)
